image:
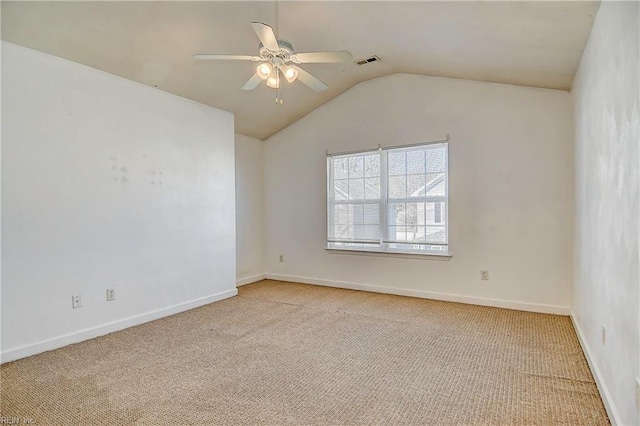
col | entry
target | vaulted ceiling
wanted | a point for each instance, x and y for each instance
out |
(536, 44)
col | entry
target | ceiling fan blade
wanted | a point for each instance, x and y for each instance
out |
(209, 57)
(309, 80)
(266, 35)
(252, 83)
(322, 57)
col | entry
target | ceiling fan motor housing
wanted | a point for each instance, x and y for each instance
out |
(284, 53)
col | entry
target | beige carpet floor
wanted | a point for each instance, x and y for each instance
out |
(284, 353)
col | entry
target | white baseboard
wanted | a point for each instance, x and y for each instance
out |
(90, 333)
(251, 279)
(472, 300)
(595, 371)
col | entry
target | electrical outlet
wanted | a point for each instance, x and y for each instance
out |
(76, 301)
(604, 335)
(484, 275)
(281, 258)
(111, 294)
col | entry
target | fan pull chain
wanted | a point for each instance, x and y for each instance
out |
(279, 100)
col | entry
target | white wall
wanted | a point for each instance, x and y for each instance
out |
(607, 159)
(249, 210)
(107, 183)
(510, 190)
(1, 186)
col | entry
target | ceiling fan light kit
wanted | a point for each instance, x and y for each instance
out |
(290, 73)
(264, 70)
(274, 80)
(278, 57)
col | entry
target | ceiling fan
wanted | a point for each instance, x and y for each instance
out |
(278, 59)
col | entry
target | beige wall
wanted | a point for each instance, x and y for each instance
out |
(249, 209)
(107, 183)
(607, 194)
(510, 181)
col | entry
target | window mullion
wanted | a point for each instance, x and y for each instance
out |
(418, 200)
(384, 172)
(331, 196)
(446, 195)
(365, 201)
(349, 210)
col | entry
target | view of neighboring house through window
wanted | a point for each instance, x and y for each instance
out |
(390, 200)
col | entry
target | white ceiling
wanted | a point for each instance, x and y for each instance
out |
(535, 44)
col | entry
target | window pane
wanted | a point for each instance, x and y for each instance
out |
(356, 167)
(397, 233)
(372, 188)
(436, 159)
(341, 214)
(371, 232)
(397, 163)
(340, 227)
(371, 214)
(415, 185)
(341, 189)
(435, 213)
(372, 165)
(397, 187)
(355, 221)
(436, 234)
(416, 233)
(356, 189)
(341, 232)
(395, 215)
(356, 214)
(340, 168)
(411, 214)
(419, 213)
(435, 185)
(415, 162)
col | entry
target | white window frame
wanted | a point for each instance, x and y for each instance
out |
(385, 245)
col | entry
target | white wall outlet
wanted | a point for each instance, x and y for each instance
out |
(604, 335)
(76, 301)
(484, 275)
(111, 294)
(281, 258)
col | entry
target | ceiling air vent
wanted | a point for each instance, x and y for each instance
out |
(373, 58)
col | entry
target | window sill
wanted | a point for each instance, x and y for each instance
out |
(359, 252)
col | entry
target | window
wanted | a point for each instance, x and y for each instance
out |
(389, 200)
